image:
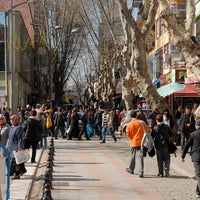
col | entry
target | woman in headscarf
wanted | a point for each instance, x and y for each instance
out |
(16, 143)
(4, 130)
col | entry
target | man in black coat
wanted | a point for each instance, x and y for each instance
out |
(59, 123)
(194, 143)
(33, 133)
(161, 134)
(186, 125)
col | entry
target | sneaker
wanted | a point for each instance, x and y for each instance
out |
(102, 142)
(160, 175)
(141, 175)
(23, 172)
(129, 171)
(198, 196)
(15, 177)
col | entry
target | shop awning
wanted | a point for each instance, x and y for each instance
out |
(190, 90)
(155, 82)
(170, 89)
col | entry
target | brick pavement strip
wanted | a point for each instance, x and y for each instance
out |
(89, 170)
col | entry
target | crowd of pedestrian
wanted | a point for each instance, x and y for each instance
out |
(163, 130)
(30, 127)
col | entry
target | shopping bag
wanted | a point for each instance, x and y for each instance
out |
(21, 156)
(89, 129)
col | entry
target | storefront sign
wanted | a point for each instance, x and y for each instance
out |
(191, 77)
(176, 75)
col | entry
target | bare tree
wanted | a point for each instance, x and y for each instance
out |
(55, 24)
(102, 34)
(136, 37)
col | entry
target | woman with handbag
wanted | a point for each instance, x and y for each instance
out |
(15, 144)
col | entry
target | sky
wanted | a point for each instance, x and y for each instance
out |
(2, 19)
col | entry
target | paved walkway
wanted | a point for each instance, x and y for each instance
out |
(19, 188)
(89, 170)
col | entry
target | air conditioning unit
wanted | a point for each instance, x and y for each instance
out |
(137, 3)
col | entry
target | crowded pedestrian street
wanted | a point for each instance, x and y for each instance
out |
(90, 170)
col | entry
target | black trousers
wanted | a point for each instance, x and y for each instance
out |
(34, 148)
(16, 169)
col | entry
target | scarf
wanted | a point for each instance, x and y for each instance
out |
(2, 125)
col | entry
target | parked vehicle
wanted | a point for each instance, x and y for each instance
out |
(127, 117)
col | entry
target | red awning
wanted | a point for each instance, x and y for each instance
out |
(190, 90)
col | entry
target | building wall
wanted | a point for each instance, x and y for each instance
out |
(15, 93)
(23, 7)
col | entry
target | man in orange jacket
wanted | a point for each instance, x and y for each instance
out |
(135, 132)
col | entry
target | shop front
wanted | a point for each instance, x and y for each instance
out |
(191, 92)
(178, 90)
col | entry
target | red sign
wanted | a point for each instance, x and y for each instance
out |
(180, 75)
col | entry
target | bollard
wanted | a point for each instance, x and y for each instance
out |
(50, 159)
(47, 181)
(47, 190)
(52, 150)
(48, 175)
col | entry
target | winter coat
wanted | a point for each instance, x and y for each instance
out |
(74, 127)
(33, 130)
(15, 139)
(182, 123)
(59, 119)
(161, 134)
(194, 143)
(4, 134)
(135, 132)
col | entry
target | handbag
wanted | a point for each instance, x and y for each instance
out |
(171, 147)
(89, 129)
(21, 156)
(147, 144)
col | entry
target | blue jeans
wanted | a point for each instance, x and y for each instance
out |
(99, 127)
(44, 139)
(105, 129)
(136, 153)
(51, 132)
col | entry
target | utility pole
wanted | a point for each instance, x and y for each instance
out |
(12, 56)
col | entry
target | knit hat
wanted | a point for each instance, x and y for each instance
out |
(197, 122)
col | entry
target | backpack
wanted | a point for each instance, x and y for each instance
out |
(49, 122)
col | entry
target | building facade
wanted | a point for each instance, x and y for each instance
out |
(16, 60)
(166, 64)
